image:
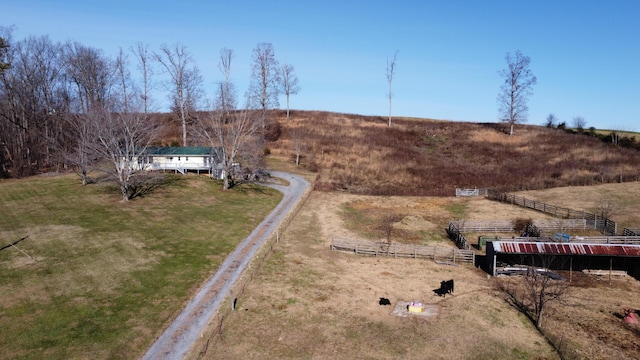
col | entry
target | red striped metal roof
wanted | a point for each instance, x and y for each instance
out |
(552, 248)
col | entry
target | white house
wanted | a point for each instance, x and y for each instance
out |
(183, 159)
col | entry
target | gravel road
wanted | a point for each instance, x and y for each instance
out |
(176, 340)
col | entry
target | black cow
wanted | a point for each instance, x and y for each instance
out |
(384, 301)
(446, 287)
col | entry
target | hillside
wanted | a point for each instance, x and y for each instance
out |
(362, 155)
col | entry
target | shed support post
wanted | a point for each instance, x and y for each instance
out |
(610, 268)
(570, 268)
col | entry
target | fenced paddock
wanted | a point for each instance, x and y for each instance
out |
(437, 253)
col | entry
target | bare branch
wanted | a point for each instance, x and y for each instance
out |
(391, 68)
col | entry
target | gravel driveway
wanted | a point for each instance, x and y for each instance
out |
(176, 340)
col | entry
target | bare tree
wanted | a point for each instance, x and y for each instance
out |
(391, 68)
(185, 80)
(143, 56)
(606, 209)
(93, 79)
(80, 156)
(579, 123)
(225, 98)
(288, 82)
(552, 121)
(263, 89)
(533, 293)
(92, 74)
(516, 89)
(121, 140)
(5, 64)
(193, 94)
(124, 79)
(233, 137)
(298, 135)
(29, 122)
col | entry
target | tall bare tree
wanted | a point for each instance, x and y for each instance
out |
(143, 57)
(516, 89)
(185, 80)
(391, 68)
(225, 97)
(263, 89)
(124, 80)
(288, 82)
(4, 65)
(92, 74)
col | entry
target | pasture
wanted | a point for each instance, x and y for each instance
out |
(97, 278)
(310, 302)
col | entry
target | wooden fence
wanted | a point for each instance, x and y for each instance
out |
(631, 232)
(504, 226)
(456, 235)
(607, 226)
(437, 253)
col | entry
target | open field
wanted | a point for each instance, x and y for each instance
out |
(310, 302)
(97, 278)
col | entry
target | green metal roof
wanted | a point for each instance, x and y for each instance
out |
(181, 150)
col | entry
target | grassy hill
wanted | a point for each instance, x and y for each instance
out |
(362, 155)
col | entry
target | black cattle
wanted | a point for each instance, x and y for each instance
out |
(384, 301)
(446, 287)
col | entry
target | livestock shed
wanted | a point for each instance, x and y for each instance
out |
(563, 256)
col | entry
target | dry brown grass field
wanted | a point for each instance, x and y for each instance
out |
(362, 155)
(310, 302)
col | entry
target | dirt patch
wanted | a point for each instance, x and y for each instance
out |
(414, 223)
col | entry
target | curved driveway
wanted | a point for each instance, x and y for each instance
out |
(176, 340)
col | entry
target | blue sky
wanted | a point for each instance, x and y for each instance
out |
(585, 54)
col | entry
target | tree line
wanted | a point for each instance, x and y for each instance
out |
(70, 106)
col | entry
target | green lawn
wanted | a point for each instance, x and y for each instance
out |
(98, 278)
